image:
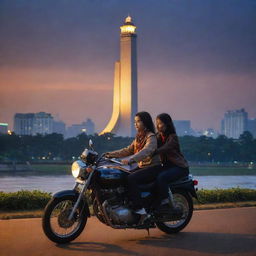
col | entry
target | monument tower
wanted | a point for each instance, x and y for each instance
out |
(125, 100)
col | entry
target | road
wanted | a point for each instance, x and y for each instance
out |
(210, 232)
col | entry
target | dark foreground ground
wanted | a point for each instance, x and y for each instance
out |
(211, 232)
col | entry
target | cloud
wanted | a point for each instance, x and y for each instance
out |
(209, 35)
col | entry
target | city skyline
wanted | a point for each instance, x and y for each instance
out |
(233, 124)
(56, 118)
(44, 123)
(196, 60)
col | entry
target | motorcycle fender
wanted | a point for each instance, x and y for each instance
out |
(75, 194)
(186, 186)
(193, 193)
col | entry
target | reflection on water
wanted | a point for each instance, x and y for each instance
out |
(62, 182)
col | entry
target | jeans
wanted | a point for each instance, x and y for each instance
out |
(141, 176)
(166, 176)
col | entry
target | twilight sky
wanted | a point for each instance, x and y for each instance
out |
(196, 59)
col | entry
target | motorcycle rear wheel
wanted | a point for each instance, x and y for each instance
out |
(55, 223)
(183, 200)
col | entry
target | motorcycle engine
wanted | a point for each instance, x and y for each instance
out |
(121, 215)
(118, 210)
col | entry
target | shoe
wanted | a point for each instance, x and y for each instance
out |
(143, 218)
(143, 215)
(141, 211)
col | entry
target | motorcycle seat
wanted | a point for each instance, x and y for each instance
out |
(150, 186)
(181, 180)
(147, 187)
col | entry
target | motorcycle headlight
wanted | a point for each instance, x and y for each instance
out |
(78, 168)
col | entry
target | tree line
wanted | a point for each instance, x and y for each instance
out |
(54, 147)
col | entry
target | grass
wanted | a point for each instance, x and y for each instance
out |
(33, 200)
(199, 206)
(226, 195)
(30, 204)
(21, 214)
(52, 168)
(39, 213)
(23, 200)
(206, 171)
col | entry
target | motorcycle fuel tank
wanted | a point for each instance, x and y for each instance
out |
(111, 177)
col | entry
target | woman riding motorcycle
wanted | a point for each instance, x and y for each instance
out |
(174, 163)
(141, 151)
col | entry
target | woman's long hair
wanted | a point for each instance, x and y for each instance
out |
(167, 120)
(140, 138)
(147, 121)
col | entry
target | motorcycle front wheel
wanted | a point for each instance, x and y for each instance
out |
(56, 225)
(184, 201)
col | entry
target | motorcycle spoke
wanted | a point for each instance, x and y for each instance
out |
(59, 217)
(180, 201)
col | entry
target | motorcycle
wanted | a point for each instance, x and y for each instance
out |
(105, 188)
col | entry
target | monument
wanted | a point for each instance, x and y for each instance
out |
(125, 99)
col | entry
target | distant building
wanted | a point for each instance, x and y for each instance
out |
(251, 126)
(87, 127)
(222, 126)
(42, 123)
(23, 124)
(234, 123)
(183, 127)
(33, 123)
(197, 133)
(3, 128)
(90, 126)
(210, 133)
(59, 127)
(74, 130)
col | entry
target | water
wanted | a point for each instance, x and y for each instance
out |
(212, 182)
(63, 182)
(46, 183)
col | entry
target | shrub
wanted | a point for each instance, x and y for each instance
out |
(226, 195)
(23, 200)
(33, 200)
